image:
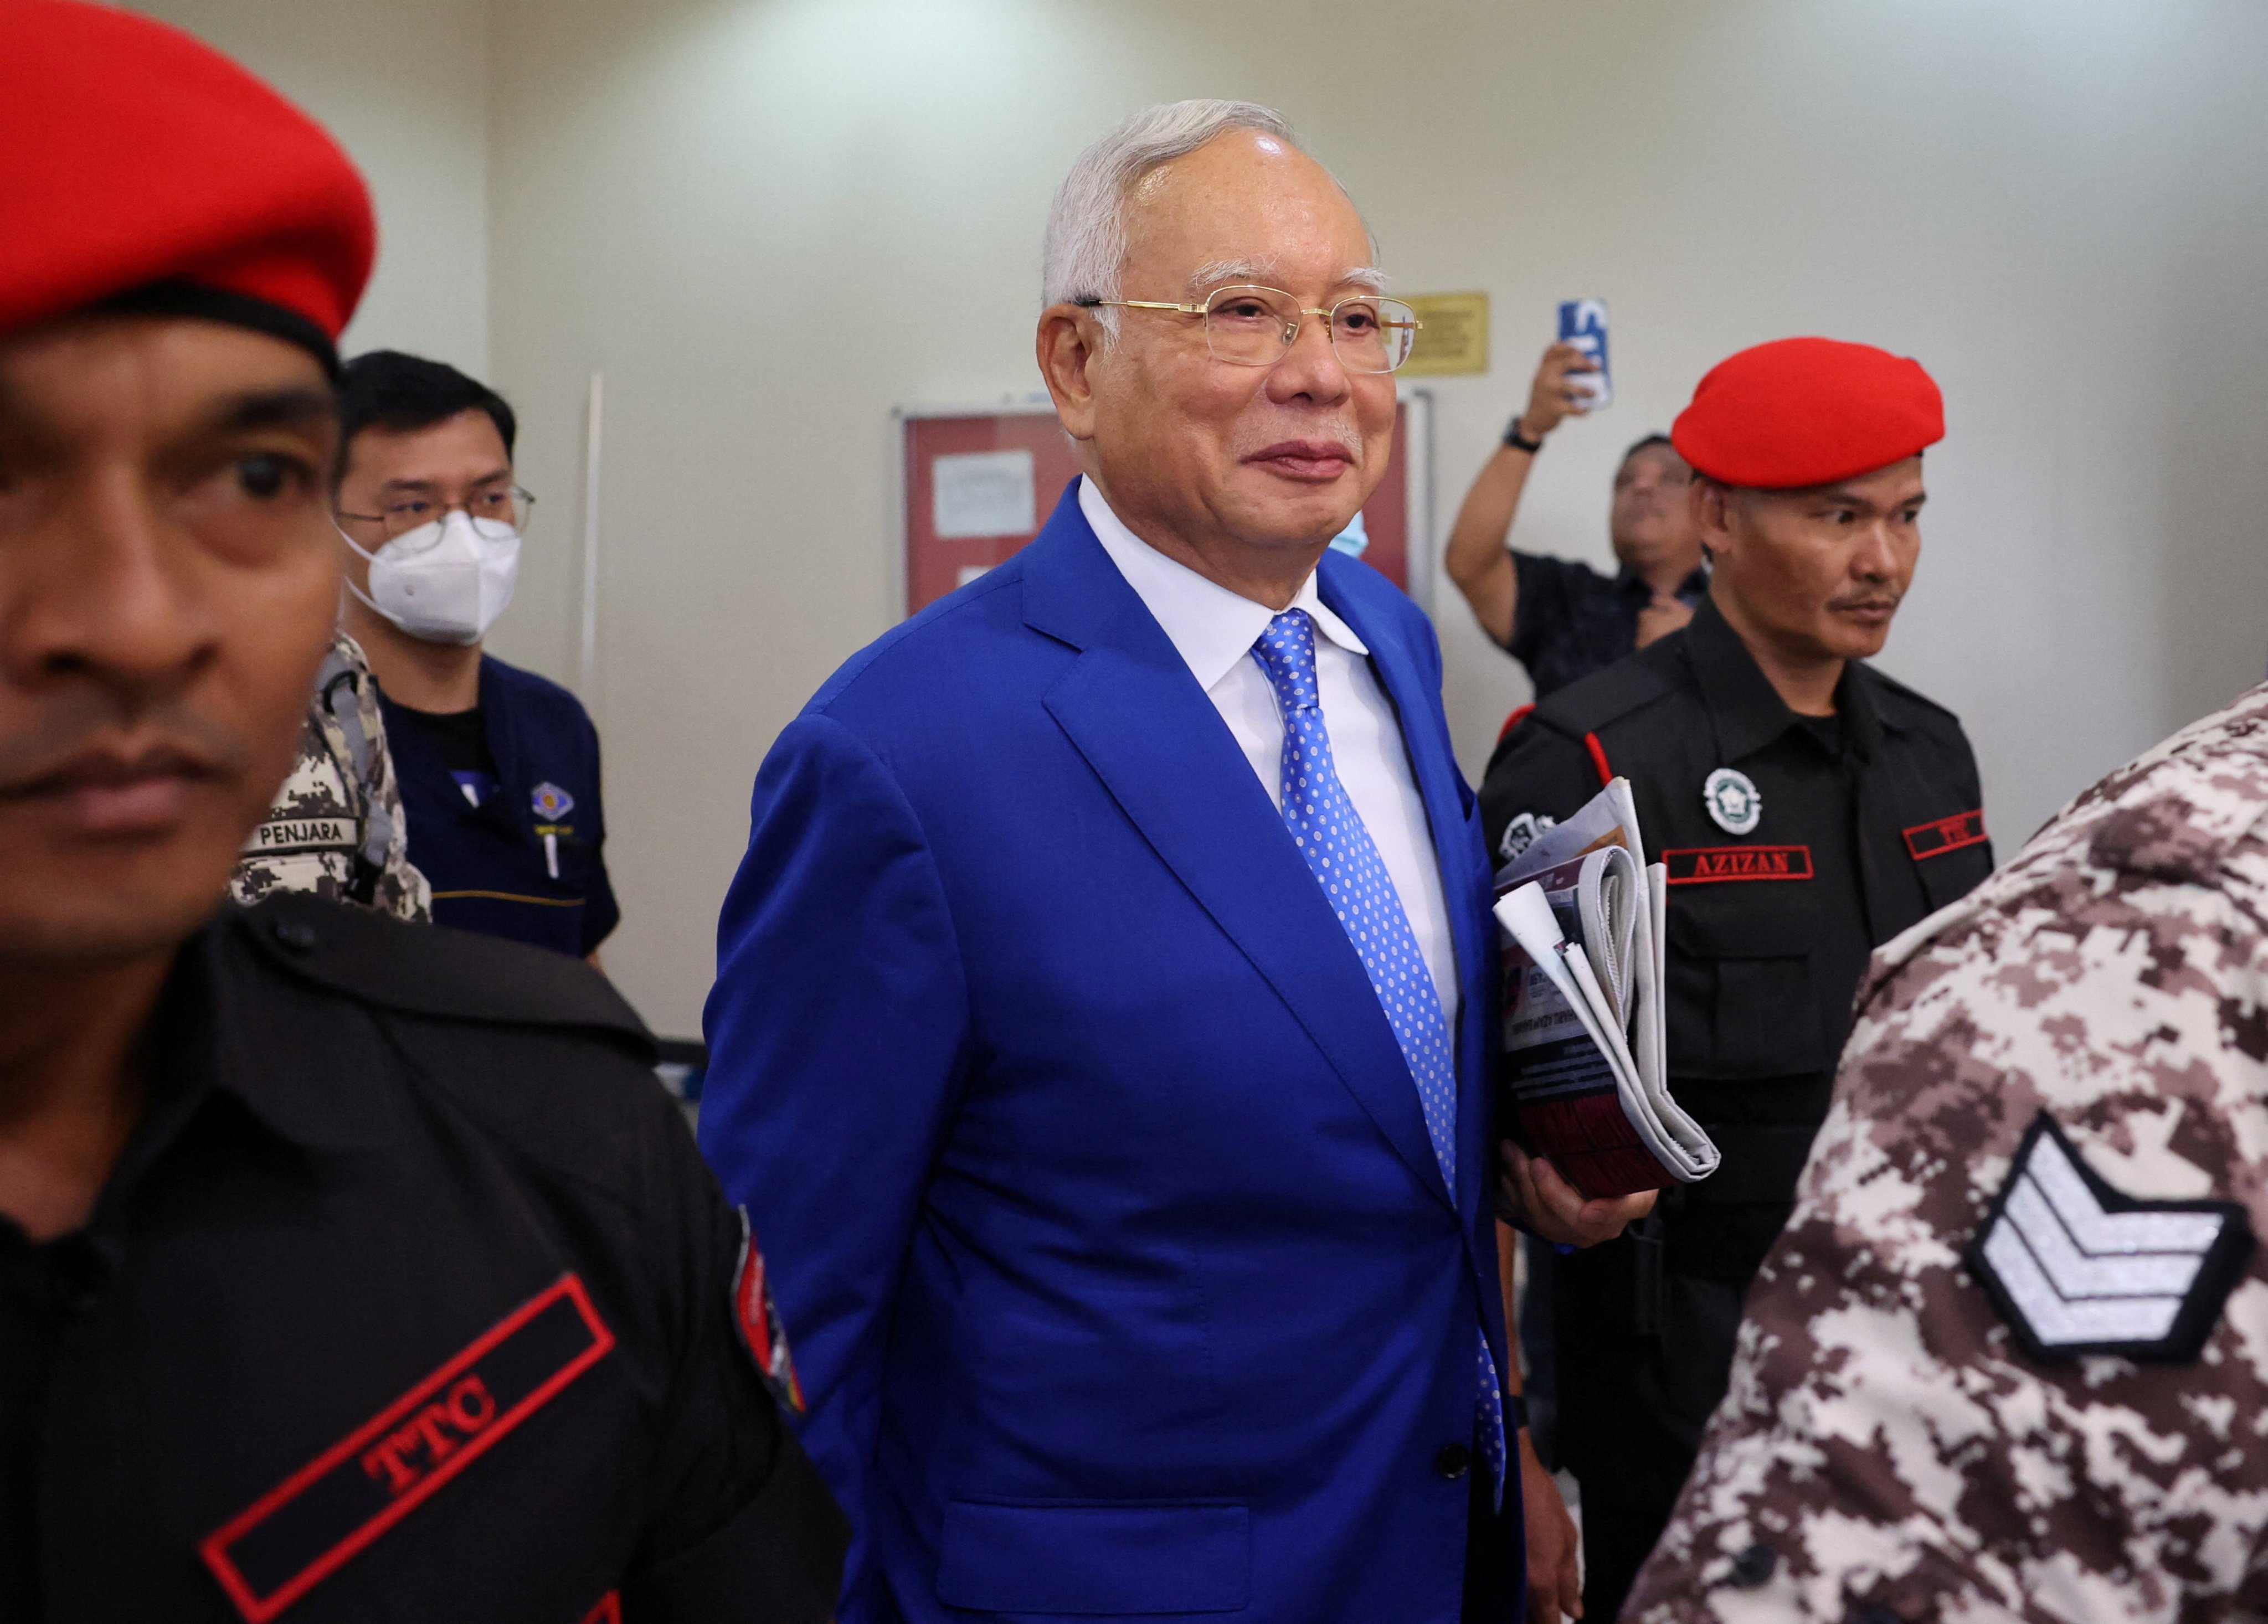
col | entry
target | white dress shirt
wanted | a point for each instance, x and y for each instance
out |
(1214, 630)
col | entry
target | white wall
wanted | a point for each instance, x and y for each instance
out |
(770, 221)
(404, 84)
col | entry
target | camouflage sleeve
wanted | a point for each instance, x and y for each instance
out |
(402, 889)
(1889, 1451)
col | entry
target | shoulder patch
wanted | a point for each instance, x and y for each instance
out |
(2076, 1266)
(432, 970)
(757, 1320)
(1934, 840)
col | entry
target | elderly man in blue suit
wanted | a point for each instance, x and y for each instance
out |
(1103, 1024)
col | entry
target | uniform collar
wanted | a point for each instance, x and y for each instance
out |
(1211, 626)
(1746, 710)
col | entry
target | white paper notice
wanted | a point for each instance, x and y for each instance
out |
(983, 494)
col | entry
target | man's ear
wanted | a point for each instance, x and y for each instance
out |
(1710, 504)
(1067, 349)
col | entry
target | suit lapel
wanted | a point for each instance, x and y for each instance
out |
(1130, 707)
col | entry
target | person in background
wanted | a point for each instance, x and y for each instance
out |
(2010, 1359)
(499, 767)
(336, 827)
(1561, 619)
(1102, 1032)
(349, 1269)
(1807, 809)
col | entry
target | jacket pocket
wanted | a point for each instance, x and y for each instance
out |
(1110, 1559)
(1740, 998)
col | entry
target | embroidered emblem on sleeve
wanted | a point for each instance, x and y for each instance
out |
(758, 1322)
(296, 1535)
(1731, 797)
(2076, 1266)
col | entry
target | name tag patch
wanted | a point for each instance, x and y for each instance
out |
(281, 835)
(2076, 1266)
(1934, 840)
(296, 1535)
(1705, 865)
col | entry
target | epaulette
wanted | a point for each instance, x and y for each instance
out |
(1602, 697)
(1889, 687)
(433, 971)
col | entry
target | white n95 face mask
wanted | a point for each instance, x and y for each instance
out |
(445, 582)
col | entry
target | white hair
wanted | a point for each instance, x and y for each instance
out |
(1087, 226)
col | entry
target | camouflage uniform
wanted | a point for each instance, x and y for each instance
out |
(336, 827)
(1889, 1450)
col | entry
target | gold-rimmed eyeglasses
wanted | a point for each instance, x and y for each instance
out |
(1250, 326)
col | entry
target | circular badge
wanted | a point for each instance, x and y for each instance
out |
(1734, 804)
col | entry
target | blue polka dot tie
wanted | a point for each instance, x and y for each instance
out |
(1345, 860)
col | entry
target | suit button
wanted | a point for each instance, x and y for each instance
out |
(1454, 1460)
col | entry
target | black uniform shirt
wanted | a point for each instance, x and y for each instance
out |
(1869, 822)
(1569, 621)
(410, 1299)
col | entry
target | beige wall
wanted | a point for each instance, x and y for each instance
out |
(404, 86)
(770, 221)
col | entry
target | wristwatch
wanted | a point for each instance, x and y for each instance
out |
(1515, 1412)
(1518, 441)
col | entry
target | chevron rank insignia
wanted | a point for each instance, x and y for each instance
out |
(2076, 1268)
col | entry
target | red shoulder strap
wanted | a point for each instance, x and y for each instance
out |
(1514, 721)
(1598, 759)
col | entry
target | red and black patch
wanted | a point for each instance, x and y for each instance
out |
(1706, 865)
(758, 1322)
(1934, 840)
(609, 1610)
(299, 1533)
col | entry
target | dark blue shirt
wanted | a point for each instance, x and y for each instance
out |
(515, 851)
(1570, 620)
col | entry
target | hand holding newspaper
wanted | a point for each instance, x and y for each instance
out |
(1584, 1032)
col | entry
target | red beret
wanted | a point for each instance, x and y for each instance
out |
(130, 154)
(1808, 411)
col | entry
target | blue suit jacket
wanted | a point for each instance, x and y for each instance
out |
(1097, 1197)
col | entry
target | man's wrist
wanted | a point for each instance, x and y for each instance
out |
(1515, 1412)
(1519, 438)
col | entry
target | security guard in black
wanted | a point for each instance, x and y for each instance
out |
(1795, 846)
(412, 1299)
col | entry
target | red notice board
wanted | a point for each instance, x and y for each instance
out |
(978, 486)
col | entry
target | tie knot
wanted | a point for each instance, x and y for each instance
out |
(1287, 652)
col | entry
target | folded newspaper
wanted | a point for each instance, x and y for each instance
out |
(1584, 1035)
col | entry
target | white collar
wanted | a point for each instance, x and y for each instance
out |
(1211, 626)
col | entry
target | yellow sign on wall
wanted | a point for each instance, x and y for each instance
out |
(1455, 337)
